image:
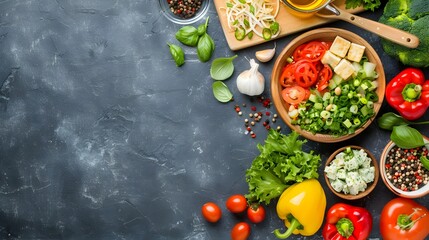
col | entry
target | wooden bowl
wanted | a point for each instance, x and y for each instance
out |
(421, 192)
(323, 34)
(370, 185)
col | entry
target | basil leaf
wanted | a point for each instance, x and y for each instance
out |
(188, 35)
(201, 30)
(406, 137)
(177, 54)
(222, 68)
(203, 27)
(389, 120)
(205, 47)
(221, 92)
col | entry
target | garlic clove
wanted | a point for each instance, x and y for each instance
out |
(265, 55)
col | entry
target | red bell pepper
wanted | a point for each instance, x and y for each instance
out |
(344, 221)
(403, 218)
(408, 93)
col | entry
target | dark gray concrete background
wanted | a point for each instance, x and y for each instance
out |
(103, 137)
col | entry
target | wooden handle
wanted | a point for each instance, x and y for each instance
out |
(390, 33)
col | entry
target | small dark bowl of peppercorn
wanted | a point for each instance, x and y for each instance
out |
(184, 11)
(403, 172)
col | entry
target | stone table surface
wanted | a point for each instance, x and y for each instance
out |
(103, 137)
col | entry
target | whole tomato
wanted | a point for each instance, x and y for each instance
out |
(256, 213)
(403, 218)
(241, 231)
(236, 203)
(211, 212)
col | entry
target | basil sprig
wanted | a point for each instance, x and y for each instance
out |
(402, 134)
(177, 54)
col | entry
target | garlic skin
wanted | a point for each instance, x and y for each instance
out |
(251, 82)
(266, 55)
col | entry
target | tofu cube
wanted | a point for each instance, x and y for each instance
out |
(344, 69)
(340, 46)
(330, 59)
(356, 52)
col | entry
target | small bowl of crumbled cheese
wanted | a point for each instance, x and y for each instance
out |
(351, 172)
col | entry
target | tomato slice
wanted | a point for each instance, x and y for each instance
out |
(305, 73)
(297, 54)
(323, 78)
(294, 94)
(314, 51)
(327, 45)
(287, 78)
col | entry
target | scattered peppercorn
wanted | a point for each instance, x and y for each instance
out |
(184, 8)
(257, 116)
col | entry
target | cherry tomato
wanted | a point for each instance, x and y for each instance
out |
(323, 77)
(241, 231)
(236, 203)
(294, 94)
(314, 51)
(305, 73)
(256, 214)
(211, 212)
(287, 78)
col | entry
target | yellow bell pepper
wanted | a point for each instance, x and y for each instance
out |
(302, 207)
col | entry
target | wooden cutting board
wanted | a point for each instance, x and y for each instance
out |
(288, 24)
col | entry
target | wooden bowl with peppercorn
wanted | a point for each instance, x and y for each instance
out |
(403, 171)
(325, 91)
(184, 12)
(351, 172)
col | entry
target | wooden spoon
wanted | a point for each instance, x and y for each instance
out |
(390, 33)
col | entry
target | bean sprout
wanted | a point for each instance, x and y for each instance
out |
(253, 15)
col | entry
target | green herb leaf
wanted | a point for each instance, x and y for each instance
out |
(389, 120)
(205, 47)
(188, 35)
(222, 68)
(221, 92)
(177, 54)
(406, 137)
(201, 30)
(203, 27)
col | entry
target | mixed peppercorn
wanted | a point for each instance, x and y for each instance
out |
(405, 170)
(184, 8)
(256, 116)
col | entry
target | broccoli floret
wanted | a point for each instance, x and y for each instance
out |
(411, 16)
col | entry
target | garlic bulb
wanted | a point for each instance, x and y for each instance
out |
(266, 55)
(251, 82)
